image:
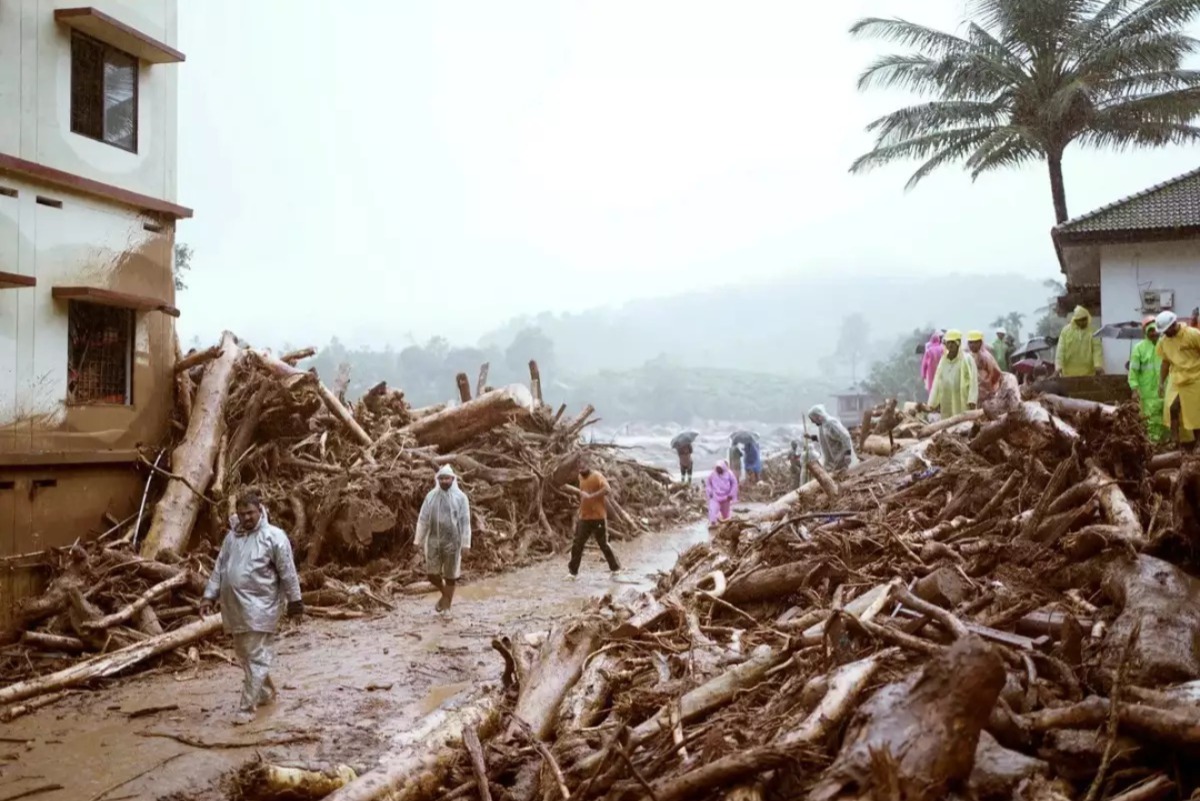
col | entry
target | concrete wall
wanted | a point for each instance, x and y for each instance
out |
(1127, 270)
(35, 79)
(63, 468)
(87, 243)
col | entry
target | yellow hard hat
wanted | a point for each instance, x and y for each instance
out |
(953, 335)
(974, 336)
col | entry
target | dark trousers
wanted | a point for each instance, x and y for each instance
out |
(585, 529)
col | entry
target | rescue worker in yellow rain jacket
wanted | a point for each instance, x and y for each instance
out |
(956, 382)
(1079, 353)
(1179, 347)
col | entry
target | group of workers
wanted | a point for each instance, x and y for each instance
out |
(1164, 376)
(254, 581)
(1163, 370)
(958, 380)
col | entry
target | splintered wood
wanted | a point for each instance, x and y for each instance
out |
(925, 630)
(344, 480)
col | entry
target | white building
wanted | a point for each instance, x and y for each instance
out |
(87, 230)
(1135, 257)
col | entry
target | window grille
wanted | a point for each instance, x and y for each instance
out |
(100, 354)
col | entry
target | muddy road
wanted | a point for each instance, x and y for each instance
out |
(346, 688)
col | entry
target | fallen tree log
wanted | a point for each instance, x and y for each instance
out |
(282, 369)
(925, 729)
(1117, 509)
(1077, 406)
(109, 664)
(197, 358)
(141, 602)
(773, 582)
(452, 427)
(1165, 602)
(969, 416)
(557, 668)
(175, 514)
(823, 478)
(423, 756)
(268, 782)
(714, 693)
(877, 445)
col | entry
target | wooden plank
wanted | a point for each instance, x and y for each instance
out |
(16, 280)
(107, 297)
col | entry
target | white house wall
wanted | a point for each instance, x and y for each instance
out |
(35, 77)
(1127, 270)
(84, 243)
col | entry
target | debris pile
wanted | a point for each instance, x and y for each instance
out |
(999, 610)
(345, 481)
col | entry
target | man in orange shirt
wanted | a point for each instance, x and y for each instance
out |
(593, 519)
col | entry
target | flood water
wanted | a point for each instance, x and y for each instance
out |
(346, 686)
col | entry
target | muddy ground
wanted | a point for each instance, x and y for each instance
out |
(347, 687)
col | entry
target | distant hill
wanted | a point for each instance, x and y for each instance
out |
(784, 327)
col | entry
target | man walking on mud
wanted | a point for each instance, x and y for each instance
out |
(444, 532)
(254, 577)
(593, 519)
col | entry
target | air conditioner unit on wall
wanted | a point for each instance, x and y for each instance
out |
(1156, 300)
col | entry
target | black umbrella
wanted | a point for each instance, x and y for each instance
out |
(1033, 347)
(1129, 330)
(684, 438)
(743, 437)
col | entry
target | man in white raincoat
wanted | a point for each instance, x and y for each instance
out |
(837, 448)
(254, 577)
(444, 532)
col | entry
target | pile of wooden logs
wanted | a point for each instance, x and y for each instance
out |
(344, 480)
(1002, 609)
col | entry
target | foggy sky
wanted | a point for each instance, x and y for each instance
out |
(386, 170)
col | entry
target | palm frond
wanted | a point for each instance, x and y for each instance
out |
(958, 140)
(1150, 83)
(1006, 147)
(909, 34)
(916, 121)
(1155, 16)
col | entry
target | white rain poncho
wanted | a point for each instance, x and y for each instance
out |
(444, 526)
(255, 577)
(837, 449)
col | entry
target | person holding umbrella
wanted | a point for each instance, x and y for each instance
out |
(682, 443)
(1145, 366)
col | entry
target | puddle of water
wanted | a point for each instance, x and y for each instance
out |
(440, 694)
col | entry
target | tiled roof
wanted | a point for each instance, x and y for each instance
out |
(1171, 204)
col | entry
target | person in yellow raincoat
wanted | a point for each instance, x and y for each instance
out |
(956, 382)
(1179, 347)
(1079, 353)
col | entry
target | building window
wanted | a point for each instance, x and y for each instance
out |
(100, 354)
(104, 92)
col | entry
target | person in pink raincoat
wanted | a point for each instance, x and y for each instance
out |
(933, 355)
(721, 487)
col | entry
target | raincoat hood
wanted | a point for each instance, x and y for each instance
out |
(818, 413)
(446, 470)
(935, 338)
(723, 464)
(1081, 313)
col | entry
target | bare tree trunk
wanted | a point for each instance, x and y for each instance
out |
(175, 514)
(450, 428)
(464, 387)
(535, 382)
(1058, 187)
(481, 382)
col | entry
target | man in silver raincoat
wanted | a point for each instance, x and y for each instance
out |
(444, 532)
(837, 448)
(254, 577)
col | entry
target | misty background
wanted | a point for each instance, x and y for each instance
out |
(650, 198)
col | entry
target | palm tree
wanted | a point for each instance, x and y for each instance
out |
(1029, 77)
